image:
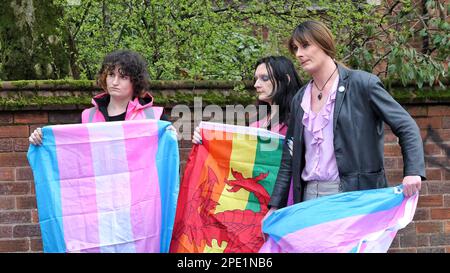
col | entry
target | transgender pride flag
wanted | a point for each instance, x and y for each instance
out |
(358, 221)
(106, 187)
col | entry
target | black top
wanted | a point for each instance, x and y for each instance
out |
(120, 117)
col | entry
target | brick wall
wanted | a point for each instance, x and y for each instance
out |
(429, 232)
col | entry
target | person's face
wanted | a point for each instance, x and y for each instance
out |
(310, 56)
(263, 85)
(119, 86)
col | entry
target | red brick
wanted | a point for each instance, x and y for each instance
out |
(441, 110)
(185, 143)
(390, 138)
(64, 117)
(7, 174)
(440, 239)
(36, 245)
(13, 159)
(391, 163)
(433, 122)
(421, 214)
(396, 242)
(21, 144)
(417, 111)
(432, 149)
(7, 203)
(34, 216)
(423, 240)
(14, 131)
(433, 174)
(429, 227)
(402, 250)
(6, 118)
(446, 174)
(6, 145)
(6, 232)
(15, 217)
(440, 214)
(438, 187)
(447, 227)
(435, 136)
(16, 245)
(446, 200)
(394, 176)
(431, 201)
(22, 231)
(184, 154)
(437, 161)
(31, 117)
(26, 202)
(32, 188)
(430, 250)
(392, 150)
(14, 188)
(446, 122)
(409, 240)
(24, 173)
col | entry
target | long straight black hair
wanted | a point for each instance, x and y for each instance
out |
(286, 82)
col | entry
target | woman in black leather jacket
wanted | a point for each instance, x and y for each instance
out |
(335, 137)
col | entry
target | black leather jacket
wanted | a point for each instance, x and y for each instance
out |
(360, 109)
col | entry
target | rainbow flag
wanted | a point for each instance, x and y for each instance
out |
(106, 187)
(358, 221)
(225, 189)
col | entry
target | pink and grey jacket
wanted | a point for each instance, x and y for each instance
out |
(139, 108)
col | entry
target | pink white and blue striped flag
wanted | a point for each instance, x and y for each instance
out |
(106, 187)
(358, 221)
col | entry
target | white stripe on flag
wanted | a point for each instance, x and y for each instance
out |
(113, 188)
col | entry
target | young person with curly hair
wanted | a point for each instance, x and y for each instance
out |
(124, 79)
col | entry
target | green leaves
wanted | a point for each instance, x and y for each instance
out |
(200, 39)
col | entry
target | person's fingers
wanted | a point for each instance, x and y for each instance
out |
(34, 139)
(38, 136)
(197, 138)
(31, 140)
(408, 190)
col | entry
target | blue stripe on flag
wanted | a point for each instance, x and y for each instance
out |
(169, 181)
(330, 208)
(48, 192)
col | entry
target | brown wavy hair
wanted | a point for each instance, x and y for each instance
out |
(316, 32)
(130, 64)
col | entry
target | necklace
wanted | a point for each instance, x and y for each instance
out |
(320, 90)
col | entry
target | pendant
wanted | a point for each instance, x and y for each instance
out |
(319, 96)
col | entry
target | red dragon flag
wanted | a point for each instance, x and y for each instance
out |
(225, 190)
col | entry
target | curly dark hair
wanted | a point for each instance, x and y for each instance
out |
(130, 64)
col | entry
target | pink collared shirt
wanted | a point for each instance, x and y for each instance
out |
(318, 134)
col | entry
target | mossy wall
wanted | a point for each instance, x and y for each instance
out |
(23, 95)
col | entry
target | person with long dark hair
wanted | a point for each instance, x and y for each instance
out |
(276, 82)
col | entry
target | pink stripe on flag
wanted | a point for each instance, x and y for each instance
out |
(78, 195)
(340, 235)
(145, 192)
